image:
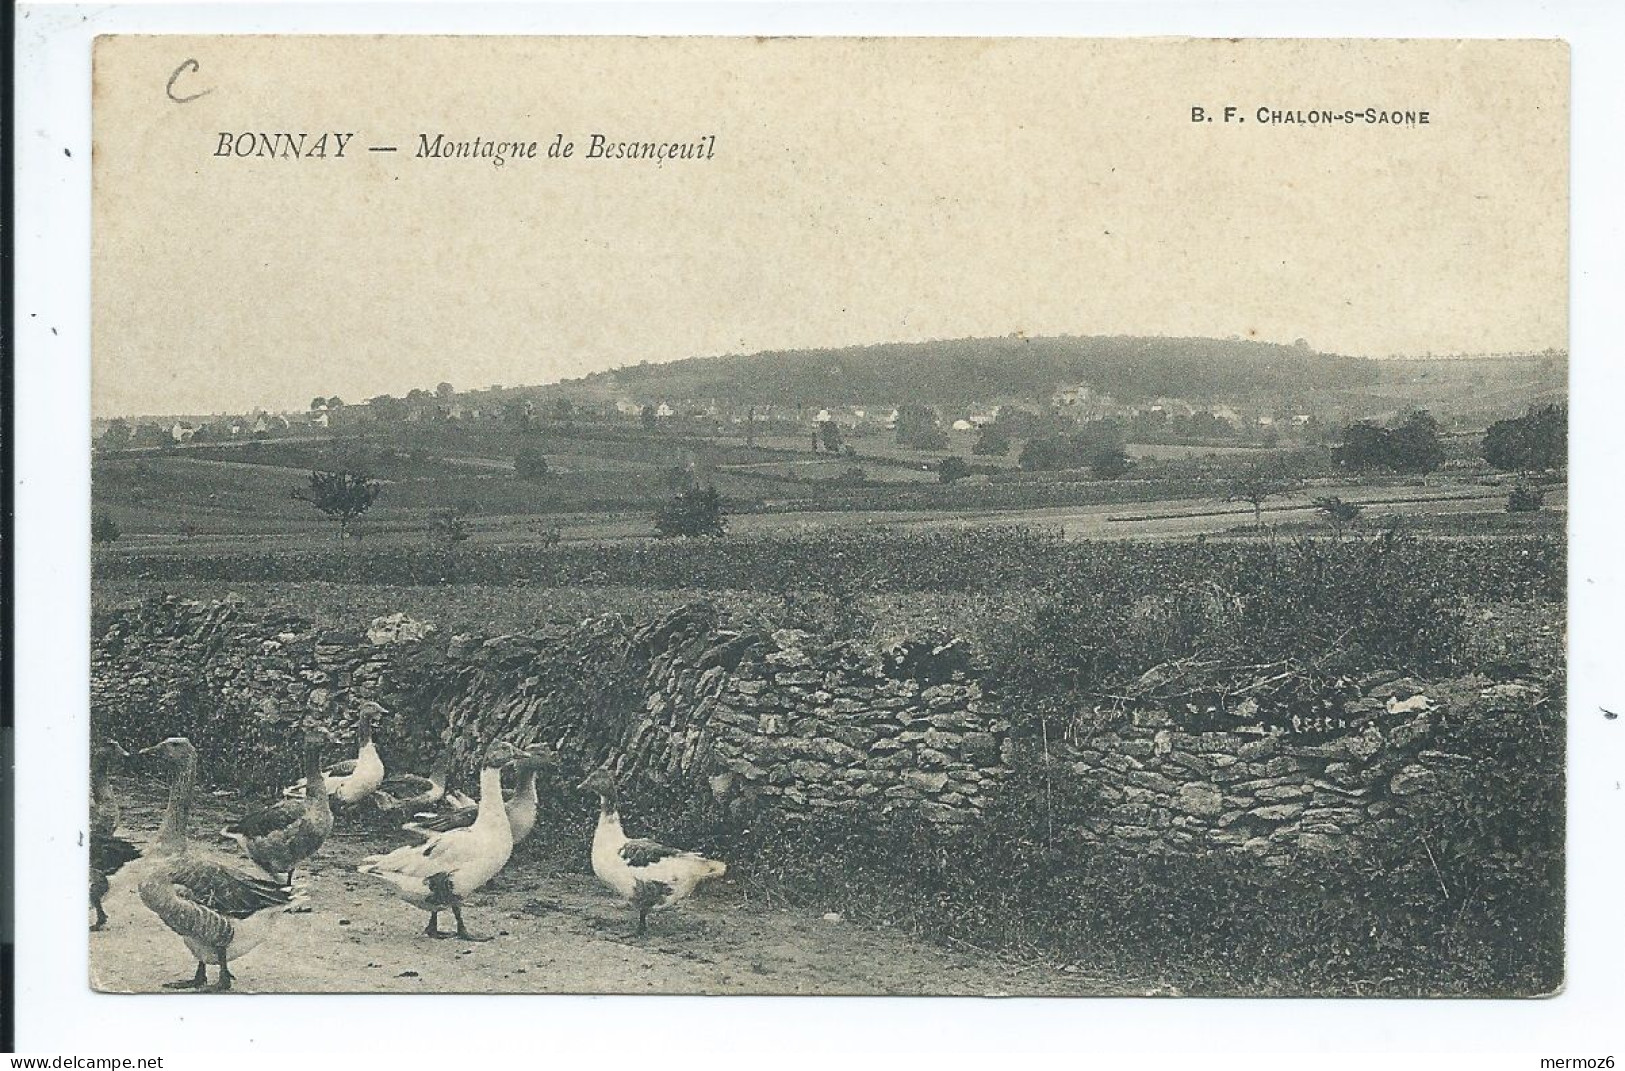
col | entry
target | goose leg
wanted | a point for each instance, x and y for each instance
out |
(434, 926)
(643, 922)
(224, 984)
(101, 917)
(197, 981)
(462, 931)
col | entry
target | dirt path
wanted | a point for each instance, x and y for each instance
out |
(556, 931)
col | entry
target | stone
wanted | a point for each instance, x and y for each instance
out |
(1321, 844)
(806, 770)
(1402, 688)
(397, 628)
(1282, 792)
(924, 781)
(1279, 812)
(981, 747)
(1152, 780)
(1261, 748)
(1200, 799)
(1201, 767)
(1365, 745)
(1411, 780)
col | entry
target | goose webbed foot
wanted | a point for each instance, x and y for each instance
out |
(101, 920)
(221, 986)
(433, 929)
(197, 981)
(462, 931)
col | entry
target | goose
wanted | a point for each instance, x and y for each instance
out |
(108, 851)
(410, 792)
(647, 875)
(352, 780)
(520, 807)
(218, 910)
(281, 836)
(436, 875)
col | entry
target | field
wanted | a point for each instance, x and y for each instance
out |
(606, 483)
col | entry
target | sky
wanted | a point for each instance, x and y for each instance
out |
(860, 191)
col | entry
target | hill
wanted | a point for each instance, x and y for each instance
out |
(960, 371)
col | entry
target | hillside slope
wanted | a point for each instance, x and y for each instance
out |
(1130, 369)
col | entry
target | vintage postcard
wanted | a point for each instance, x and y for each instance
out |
(829, 516)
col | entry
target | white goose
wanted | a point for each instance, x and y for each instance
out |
(435, 876)
(218, 910)
(647, 875)
(352, 780)
(521, 806)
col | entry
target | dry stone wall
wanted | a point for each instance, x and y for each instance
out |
(738, 724)
(1273, 794)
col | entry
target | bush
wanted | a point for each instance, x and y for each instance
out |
(1412, 446)
(530, 464)
(1534, 442)
(449, 526)
(103, 528)
(697, 511)
(991, 441)
(1525, 499)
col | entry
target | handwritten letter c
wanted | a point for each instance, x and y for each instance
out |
(189, 65)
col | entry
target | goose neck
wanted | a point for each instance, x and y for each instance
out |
(172, 834)
(315, 781)
(491, 792)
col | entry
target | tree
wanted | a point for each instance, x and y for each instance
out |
(103, 528)
(341, 496)
(829, 433)
(449, 525)
(1534, 442)
(318, 402)
(117, 434)
(1265, 481)
(1525, 499)
(444, 392)
(694, 511)
(951, 468)
(530, 464)
(1364, 446)
(387, 408)
(1414, 446)
(1108, 460)
(335, 402)
(1338, 513)
(919, 428)
(991, 441)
